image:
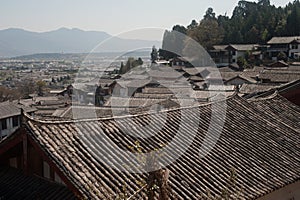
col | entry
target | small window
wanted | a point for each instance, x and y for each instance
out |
(3, 124)
(46, 170)
(292, 55)
(233, 53)
(294, 46)
(13, 162)
(15, 121)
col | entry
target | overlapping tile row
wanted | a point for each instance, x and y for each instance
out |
(262, 149)
(279, 109)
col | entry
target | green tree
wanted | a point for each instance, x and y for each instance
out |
(192, 25)
(122, 69)
(180, 29)
(40, 87)
(207, 33)
(264, 2)
(251, 22)
(139, 62)
(280, 28)
(154, 54)
(27, 87)
(99, 96)
(130, 64)
(209, 14)
(265, 35)
(282, 56)
(8, 94)
(253, 35)
(293, 21)
(241, 62)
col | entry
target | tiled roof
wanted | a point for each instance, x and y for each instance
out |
(250, 74)
(242, 47)
(60, 111)
(221, 88)
(135, 83)
(281, 89)
(86, 112)
(294, 68)
(224, 75)
(295, 64)
(192, 70)
(210, 95)
(227, 69)
(41, 99)
(118, 107)
(280, 63)
(105, 82)
(27, 109)
(8, 109)
(130, 76)
(220, 47)
(255, 88)
(168, 90)
(256, 69)
(164, 74)
(131, 102)
(279, 108)
(152, 95)
(196, 78)
(259, 142)
(279, 76)
(283, 40)
(24, 102)
(245, 78)
(15, 186)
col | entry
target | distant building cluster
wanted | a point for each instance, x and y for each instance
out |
(67, 138)
(289, 47)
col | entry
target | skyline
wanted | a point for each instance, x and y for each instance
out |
(113, 17)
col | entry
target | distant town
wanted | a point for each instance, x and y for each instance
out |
(88, 87)
(47, 85)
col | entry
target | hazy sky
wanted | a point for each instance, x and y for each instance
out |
(112, 16)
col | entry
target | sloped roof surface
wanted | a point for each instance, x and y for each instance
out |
(243, 47)
(259, 142)
(8, 109)
(283, 40)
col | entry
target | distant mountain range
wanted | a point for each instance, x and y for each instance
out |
(17, 42)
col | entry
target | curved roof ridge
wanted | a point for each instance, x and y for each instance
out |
(271, 96)
(126, 116)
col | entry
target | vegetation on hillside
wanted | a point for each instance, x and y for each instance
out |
(251, 22)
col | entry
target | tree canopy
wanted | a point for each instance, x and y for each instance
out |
(130, 64)
(251, 22)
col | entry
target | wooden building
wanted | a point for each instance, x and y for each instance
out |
(10, 114)
(288, 45)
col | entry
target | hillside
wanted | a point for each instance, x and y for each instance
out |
(17, 42)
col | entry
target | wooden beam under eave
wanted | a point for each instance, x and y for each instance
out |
(25, 153)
